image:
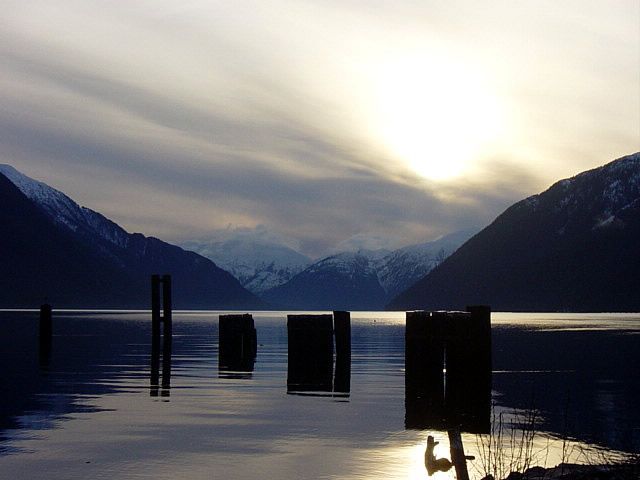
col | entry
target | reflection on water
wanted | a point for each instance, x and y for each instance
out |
(83, 408)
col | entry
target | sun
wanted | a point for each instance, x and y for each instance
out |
(434, 115)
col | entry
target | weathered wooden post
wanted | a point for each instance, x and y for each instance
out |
(342, 332)
(155, 313)
(166, 318)
(310, 353)
(45, 334)
(468, 361)
(167, 309)
(424, 363)
(237, 342)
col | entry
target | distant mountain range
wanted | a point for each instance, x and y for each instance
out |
(53, 249)
(574, 247)
(258, 264)
(363, 280)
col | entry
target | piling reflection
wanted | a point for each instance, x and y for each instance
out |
(310, 368)
(160, 386)
(45, 334)
(462, 397)
(44, 352)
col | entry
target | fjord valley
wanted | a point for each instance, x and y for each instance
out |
(570, 248)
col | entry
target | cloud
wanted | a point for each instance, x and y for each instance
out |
(180, 118)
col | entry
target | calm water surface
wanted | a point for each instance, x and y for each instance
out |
(89, 408)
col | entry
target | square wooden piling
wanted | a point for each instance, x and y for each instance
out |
(424, 364)
(310, 353)
(237, 342)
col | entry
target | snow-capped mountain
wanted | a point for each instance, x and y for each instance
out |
(362, 280)
(53, 248)
(401, 268)
(64, 211)
(574, 247)
(258, 264)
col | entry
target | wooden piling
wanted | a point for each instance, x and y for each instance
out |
(155, 310)
(237, 342)
(424, 363)
(162, 316)
(463, 341)
(310, 353)
(342, 332)
(167, 308)
(468, 361)
(166, 318)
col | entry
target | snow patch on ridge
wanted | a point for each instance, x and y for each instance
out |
(64, 211)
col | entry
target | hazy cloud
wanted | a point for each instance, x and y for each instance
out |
(181, 118)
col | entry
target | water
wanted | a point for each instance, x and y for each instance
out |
(89, 409)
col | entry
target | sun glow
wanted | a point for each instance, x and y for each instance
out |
(436, 116)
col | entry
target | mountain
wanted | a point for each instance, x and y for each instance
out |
(346, 281)
(363, 280)
(574, 247)
(401, 268)
(258, 264)
(53, 248)
(65, 212)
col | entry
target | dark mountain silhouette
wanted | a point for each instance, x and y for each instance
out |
(574, 247)
(52, 248)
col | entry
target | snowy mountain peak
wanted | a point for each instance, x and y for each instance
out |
(257, 263)
(64, 211)
(351, 264)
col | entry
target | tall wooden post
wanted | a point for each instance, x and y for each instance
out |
(342, 332)
(166, 318)
(468, 358)
(155, 312)
(167, 308)
(424, 363)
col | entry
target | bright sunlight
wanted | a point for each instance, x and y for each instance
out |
(436, 116)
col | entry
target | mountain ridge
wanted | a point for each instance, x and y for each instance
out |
(362, 280)
(126, 260)
(572, 247)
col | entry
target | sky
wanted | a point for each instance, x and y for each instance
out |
(323, 123)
